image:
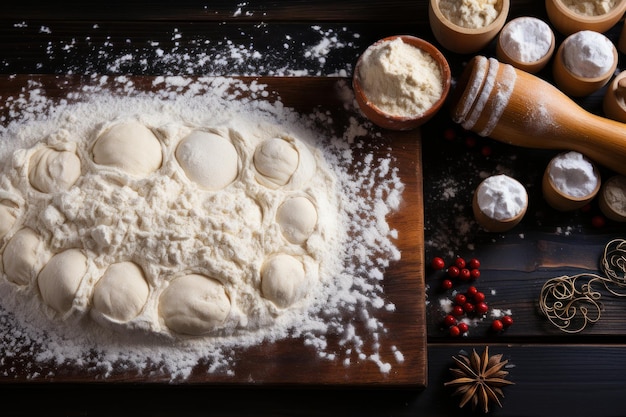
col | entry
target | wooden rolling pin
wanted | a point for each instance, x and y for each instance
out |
(509, 105)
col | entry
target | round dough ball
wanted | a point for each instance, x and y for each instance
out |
(194, 305)
(8, 216)
(209, 160)
(297, 218)
(121, 292)
(283, 280)
(59, 280)
(51, 171)
(275, 160)
(129, 146)
(23, 257)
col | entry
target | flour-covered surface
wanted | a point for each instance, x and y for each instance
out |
(364, 323)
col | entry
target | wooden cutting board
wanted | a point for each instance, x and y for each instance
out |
(290, 362)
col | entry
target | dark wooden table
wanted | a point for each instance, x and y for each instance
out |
(580, 374)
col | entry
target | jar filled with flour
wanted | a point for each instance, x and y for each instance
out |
(584, 63)
(571, 16)
(612, 198)
(526, 43)
(499, 203)
(570, 181)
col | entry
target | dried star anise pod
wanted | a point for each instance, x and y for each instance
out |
(479, 379)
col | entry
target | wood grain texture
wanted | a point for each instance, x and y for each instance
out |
(290, 362)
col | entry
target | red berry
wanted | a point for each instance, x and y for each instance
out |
(460, 299)
(475, 273)
(486, 150)
(479, 296)
(463, 327)
(449, 134)
(437, 263)
(470, 141)
(481, 307)
(474, 263)
(457, 311)
(598, 221)
(449, 320)
(459, 262)
(507, 321)
(471, 291)
(454, 331)
(453, 271)
(497, 325)
(464, 274)
(468, 307)
(446, 284)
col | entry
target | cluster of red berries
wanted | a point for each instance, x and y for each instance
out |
(472, 302)
(459, 269)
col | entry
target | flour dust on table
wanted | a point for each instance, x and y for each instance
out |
(164, 229)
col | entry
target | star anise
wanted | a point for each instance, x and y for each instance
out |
(479, 379)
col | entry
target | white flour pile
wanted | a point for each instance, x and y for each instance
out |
(224, 237)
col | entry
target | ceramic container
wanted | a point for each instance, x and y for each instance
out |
(395, 122)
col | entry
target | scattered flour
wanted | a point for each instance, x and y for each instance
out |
(350, 283)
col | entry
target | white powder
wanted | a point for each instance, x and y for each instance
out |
(526, 39)
(588, 54)
(615, 193)
(590, 7)
(471, 14)
(349, 282)
(501, 197)
(399, 78)
(573, 174)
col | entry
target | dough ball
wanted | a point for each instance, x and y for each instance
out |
(23, 257)
(51, 171)
(121, 292)
(129, 146)
(283, 280)
(297, 218)
(209, 160)
(8, 215)
(59, 280)
(194, 305)
(275, 160)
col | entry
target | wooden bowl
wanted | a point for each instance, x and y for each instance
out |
(575, 85)
(614, 103)
(395, 122)
(562, 201)
(612, 191)
(567, 21)
(529, 66)
(491, 224)
(463, 40)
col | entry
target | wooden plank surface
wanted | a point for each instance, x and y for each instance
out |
(290, 362)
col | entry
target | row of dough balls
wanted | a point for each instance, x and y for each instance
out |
(191, 304)
(208, 159)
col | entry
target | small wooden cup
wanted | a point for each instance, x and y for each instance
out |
(566, 21)
(495, 225)
(394, 122)
(614, 103)
(575, 85)
(464, 40)
(604, 201)
(561, 201)
(531, 67)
